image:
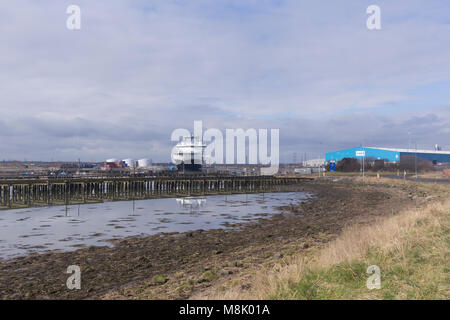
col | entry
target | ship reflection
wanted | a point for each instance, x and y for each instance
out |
(191, 202)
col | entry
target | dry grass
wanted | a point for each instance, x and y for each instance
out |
(411, 248)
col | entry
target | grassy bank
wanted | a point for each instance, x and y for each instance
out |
(411, 248)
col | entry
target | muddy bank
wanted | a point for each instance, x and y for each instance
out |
(178, 265)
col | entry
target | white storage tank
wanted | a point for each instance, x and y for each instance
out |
(129, 162)
(111, 160)
(144, 163)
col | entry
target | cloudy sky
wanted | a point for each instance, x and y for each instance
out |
(137, 70)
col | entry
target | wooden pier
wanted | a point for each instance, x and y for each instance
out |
(21, 193)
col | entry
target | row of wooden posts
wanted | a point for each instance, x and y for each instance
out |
(35, 192)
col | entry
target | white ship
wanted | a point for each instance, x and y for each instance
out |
(188, 154)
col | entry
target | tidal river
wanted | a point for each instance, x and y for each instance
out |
(23, 231)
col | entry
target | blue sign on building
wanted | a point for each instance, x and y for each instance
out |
(332, 166)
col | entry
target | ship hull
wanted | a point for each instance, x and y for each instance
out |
(189, 167)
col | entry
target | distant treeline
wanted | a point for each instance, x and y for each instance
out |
(408, 163)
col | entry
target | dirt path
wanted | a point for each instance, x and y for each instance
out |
(178, 266)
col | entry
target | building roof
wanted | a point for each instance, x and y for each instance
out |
(411, 150)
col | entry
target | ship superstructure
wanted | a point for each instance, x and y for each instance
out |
(188, 154)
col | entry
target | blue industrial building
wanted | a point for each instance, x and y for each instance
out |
(389, 154)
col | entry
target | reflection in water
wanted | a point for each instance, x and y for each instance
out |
(191, 202)
(69, 227)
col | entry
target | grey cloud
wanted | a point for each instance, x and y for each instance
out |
(96, 140)
(135, 72)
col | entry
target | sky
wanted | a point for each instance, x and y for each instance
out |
(137, 70)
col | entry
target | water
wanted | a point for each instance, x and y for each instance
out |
(23, 231)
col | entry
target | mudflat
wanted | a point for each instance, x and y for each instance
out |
(180, 265)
